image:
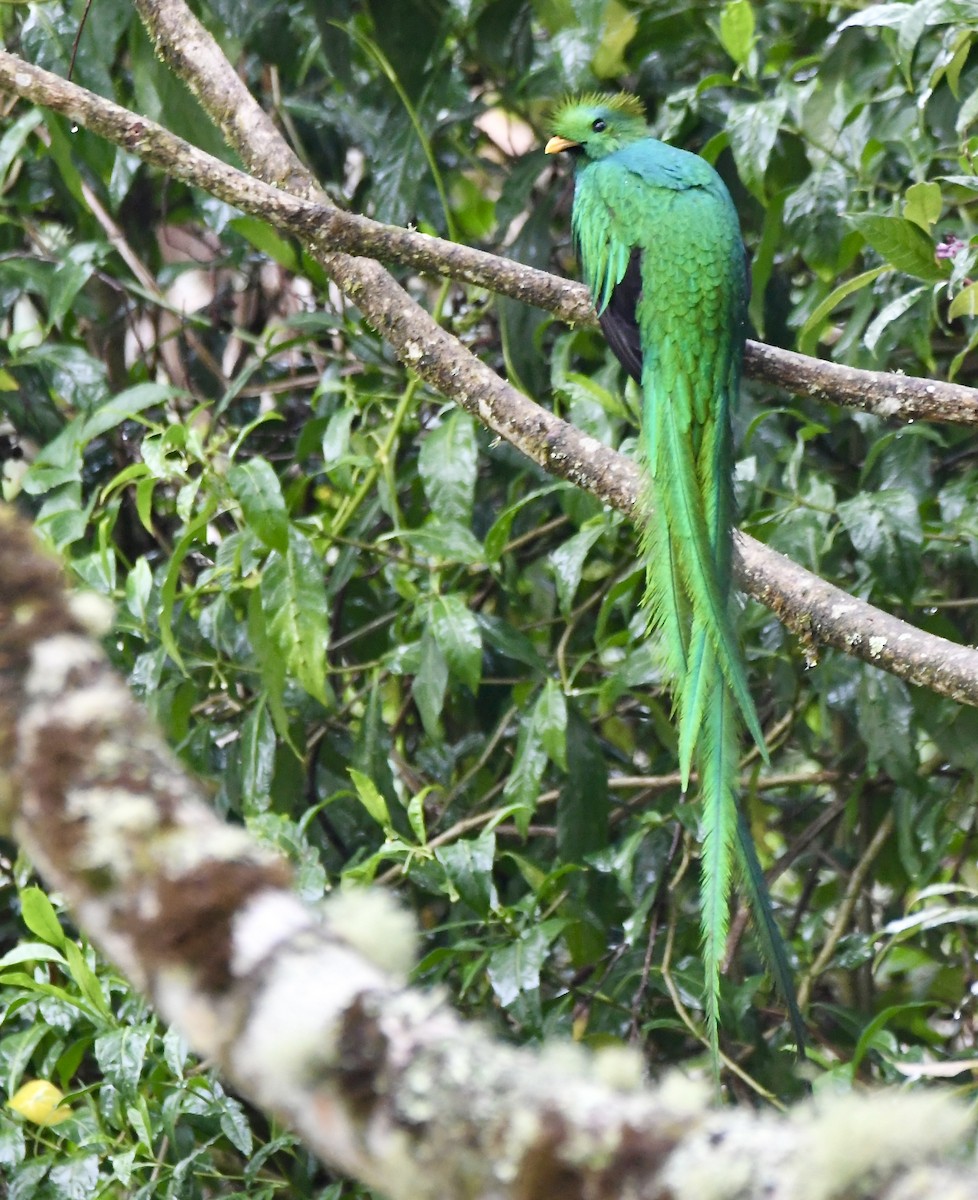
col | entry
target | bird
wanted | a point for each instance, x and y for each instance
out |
(660, 249)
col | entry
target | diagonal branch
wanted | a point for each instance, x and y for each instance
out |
(310, 1018)
(297, 205)
(815, 610)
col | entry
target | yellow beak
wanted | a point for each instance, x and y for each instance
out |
(556, 144)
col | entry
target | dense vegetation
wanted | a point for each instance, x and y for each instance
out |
(404, 654)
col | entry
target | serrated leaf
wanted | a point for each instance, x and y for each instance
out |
(293, 597)
(902, 244)
(447, 464)
(456, 631)
(256, 488)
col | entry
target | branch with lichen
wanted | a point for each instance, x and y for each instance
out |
(296, 205)
(307, 1014)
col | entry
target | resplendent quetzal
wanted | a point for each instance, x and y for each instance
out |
(661, 252)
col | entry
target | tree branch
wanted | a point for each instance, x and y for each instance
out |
(816, 611)
(297, 205)
(310, 1019)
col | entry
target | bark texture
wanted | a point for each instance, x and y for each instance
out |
(816, 611)
(307, 1014)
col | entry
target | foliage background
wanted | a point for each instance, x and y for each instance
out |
(399, 651)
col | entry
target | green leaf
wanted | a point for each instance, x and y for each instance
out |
(809, 333)
(737, 30)
(85, 978)
(885, 714)
(121, 1053)
(444, 542)
(123, 406)
(468, 866)
(257, 758)
(15, 138)
(172, 580)
(293, 597)
(40, 918)
(550, 720)
(885, 529)
(965, 303)
(31, 952)
(618, 28)
(256, 488)
(76, 267)
(902, 244)
(582, 809)
(74, 1178)
(515, 968)
(235, 1127)
(887, 16)
(568, 561)
(457, 633)
(890, 313)
(264, 238)
(447, 464)
(753, 129)
(523, 785)
(428, 685)
(923, 204)
(370, 797)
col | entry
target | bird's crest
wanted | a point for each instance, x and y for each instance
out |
(622, 102)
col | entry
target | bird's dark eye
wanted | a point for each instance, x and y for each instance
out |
(598, 125)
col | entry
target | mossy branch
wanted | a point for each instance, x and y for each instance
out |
(307, 1014)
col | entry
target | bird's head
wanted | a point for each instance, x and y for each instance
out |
(596, 125)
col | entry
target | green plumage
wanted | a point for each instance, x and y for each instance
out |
(661, 252)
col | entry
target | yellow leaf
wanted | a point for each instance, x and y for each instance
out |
(40, 1101)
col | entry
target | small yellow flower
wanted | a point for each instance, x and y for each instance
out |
(40, 1102)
